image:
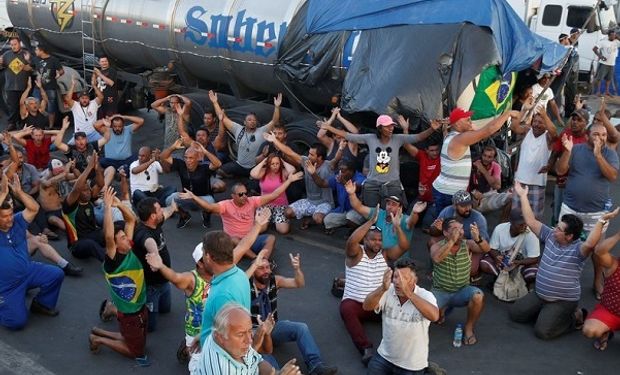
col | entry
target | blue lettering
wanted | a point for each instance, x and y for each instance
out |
(265, 33)
(245, 44)
(196, 26)
(220, 25)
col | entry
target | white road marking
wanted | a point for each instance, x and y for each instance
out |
(16, 362)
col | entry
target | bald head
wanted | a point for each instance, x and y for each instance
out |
(144, 154)
(191, 158)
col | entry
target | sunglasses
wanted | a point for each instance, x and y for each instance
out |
(374, 227)
(242, 194)
(148, 175)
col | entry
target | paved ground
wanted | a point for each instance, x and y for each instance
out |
(59, 345)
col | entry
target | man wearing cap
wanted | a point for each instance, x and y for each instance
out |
(455, 155)
(546, 96)
(383, 178)
(607, 50)
(451, 274)
(118, 149)
(592, 167)
(195, 284)
(16, 64)
(84, 110)
(81, 149)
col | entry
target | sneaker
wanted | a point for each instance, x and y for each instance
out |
(183, 221)
(143, 361)
(206, 220)
(367, 356)
(182, 353)
(37, 308)
(321, 369)
(72, 270)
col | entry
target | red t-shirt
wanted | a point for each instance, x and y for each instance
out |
(39, 156)
(557, 147)
(429, 170)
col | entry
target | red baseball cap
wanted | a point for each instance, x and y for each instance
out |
(458, 114)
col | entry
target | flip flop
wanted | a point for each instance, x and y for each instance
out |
(470, 340)
(601, 343)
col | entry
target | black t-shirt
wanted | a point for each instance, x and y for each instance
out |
(140, 236)
(82, 215)
(197, 181)
(109, 92)
(48, 69)
(111, 265)
(15, 77)
(81, 157)
(38, 121)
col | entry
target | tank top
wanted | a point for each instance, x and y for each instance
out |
(454, 175)
(38, 121)
(364, 277)
(610, 298)
(126, 284)
(195, 304)
(452, 273)
(269, 184)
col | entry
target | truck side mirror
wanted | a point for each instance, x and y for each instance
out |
(592, 26)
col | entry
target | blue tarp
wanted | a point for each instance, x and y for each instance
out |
(518, 46)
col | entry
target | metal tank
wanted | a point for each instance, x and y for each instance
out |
(232, 42)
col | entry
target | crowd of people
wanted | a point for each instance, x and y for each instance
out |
(106, 198)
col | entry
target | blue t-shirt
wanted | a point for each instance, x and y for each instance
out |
(343, 204)
(388, 234)
(227, 287)
(474, 217)
(119, 146)
(14, 257)
(587, 190)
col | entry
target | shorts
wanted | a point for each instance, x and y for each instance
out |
(53, 213)
(605, 72)
(589, 218)
(304, 207)
(459, 298)
(259, 244)
(133, 329)
(606, 317)
(277, 214)
(52, 101)
(493, 200)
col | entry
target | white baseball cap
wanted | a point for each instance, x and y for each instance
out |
(197, 253)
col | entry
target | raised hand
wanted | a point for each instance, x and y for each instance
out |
(567, 142)
(436, 124)
(187, 194)
(4, 185)
(438, 224)
(387, 279)
(16, 185)
(212, 96)
(419, 207)
(310, 167)
(65, 123)
(475, 231)
(350, 187)
(277, 101)
(375, 217)
(295, 176)
(108, 197)
(295, 261)
(269, 137)
(262, 216)
(520, 189)
(404, 123)
(397, 217)
(178, 144)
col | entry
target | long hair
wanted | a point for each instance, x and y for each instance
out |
(270, 157)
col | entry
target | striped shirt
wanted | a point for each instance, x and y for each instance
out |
(364, 277)
(454, 175)
(216, 361)
(560, 269)
(452, 273)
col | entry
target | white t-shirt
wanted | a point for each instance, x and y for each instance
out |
(534, 155)
(547, 96)
(609, 50)
(503, 242)
(84, 117)
(147, 180)
(405, 330)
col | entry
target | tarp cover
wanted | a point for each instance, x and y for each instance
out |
(397, 67)
(518, 47)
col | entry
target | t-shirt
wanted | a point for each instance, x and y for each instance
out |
(343, 204)
(480, 183)
(109, 92)
(502, 241)
(229, 286)
(405, 330)
(81, 217)
(15, 77)
(560, 269)
(545, 98)
(384, 161)
(14, 256)
(314, 192)
(39, 120)
(197, 181)
(48, 69)
(81, 157)
(119, 145)
(84, 117)
(474, 217)
(147, 180)
(238, 221)
(28, 176)
(39, 156)
(248, 144)
(557, 147)
(140, 236)
(533, 155)
(389, 238)
(429, 170)
(587, 190)
(609, 50)
(452, 273)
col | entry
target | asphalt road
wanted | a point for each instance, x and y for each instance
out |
(60, 345)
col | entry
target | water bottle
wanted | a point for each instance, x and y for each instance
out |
(458, 336)
(608, 204)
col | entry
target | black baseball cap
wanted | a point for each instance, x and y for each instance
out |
(394, 198)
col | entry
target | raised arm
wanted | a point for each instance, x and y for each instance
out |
(603, 249)
(214, 162)
(322, 133)
(221, 115)
(98, 93)
(298, 281)
(264, 199)
(69, 95)
(44, 98)
(352, 247)
(183, 281)
(60, 145)
(371, 302)
(80, 183)
(270, 137)
(159, 105)
(259, 170)
(107, 133)
(561, 167)
(318, 180)
(108, 223)
(595, 234)
(136, 121)
(166, 156)
(23, 109)
(261, 218)
(528, 215)
(395, 252)
(441, 249)
(19, 135)
(31, 205)
(207, 206)
(356, 204)
(275, 119)
(462, 141)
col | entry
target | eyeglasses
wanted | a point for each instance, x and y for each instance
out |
(242, 194)
(559, 229)
(374, 227)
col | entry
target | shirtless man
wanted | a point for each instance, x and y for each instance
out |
(53, 191)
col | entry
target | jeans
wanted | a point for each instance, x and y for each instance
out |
(188, 204)
(441, 201)
(287, 331)
(89, 245)
(552, 318)
(161, 194)
(380, 366)
(157, 301)
(558, 199)
(12, 103)
(47, 278)
(353, 315)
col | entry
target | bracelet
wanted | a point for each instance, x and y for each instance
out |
(479, 241)
(604, 222)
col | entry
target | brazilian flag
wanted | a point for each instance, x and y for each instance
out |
(493, 93)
